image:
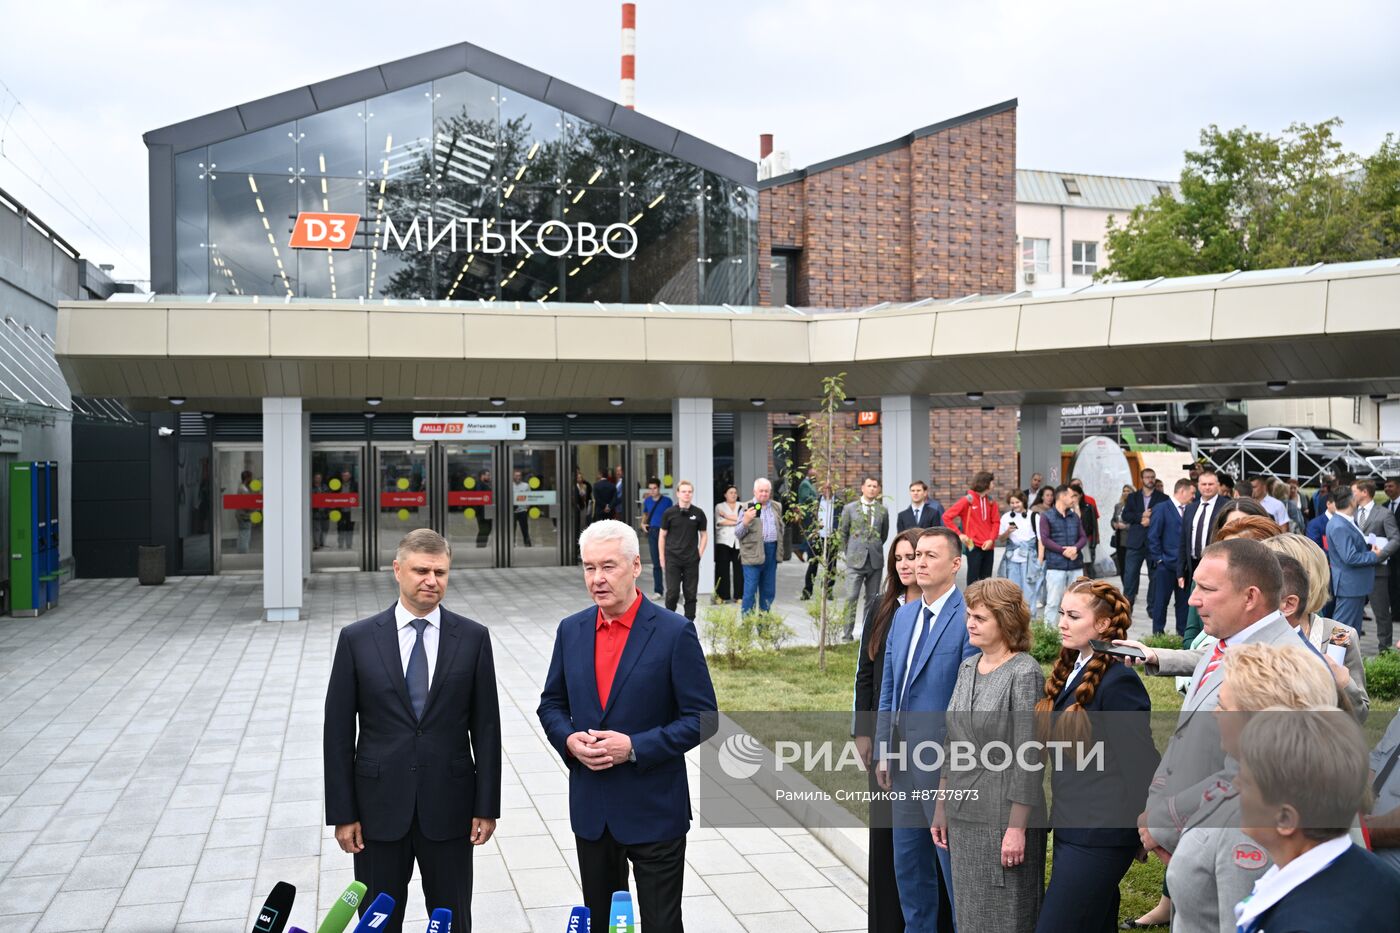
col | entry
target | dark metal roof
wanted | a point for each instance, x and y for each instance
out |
(371, 82)
(861, 154)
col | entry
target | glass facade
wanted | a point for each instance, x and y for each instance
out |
(478, 160)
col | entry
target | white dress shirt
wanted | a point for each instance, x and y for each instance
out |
(1278, 882)
(1205, 510)
(934, 610)
(1084, 657)
(408, 636)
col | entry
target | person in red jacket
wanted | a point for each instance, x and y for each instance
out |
(980, 523)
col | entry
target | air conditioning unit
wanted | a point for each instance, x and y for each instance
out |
(1030, 278)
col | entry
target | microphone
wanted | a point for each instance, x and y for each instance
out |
(441, 921)
(620, 917)
(295, 930)
(578, 921)
(273, 916)
(343, 909)
(375, 916)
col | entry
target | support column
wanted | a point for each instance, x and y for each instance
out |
(286, 507)
(752, 447)
(1040, 444)
(904, 449)
(692, 433)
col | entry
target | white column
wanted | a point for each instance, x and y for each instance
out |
(904, 449)
(306, 510)
(751, 449)
(285, 507)
(1040, 444)
(692, 433)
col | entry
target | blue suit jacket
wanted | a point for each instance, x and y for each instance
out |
(1353, 562)
(1164, 533)
(661, 697)
(1132, 517)
(934, 672)
(1355, 892)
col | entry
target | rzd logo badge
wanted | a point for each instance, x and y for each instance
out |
(315, 230)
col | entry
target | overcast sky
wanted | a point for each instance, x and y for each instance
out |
(1106, 86)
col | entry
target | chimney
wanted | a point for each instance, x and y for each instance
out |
(629, 56)
(765, 145)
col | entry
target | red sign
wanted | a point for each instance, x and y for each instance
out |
(440, 427)
(317, 230)
(479, 497)
(245, 502)
(401, 500)
(866, 419)
(335, 500)
(1247, 856)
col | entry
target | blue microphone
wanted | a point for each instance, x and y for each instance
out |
(376, 915)
(440, 921)
(620, 918)
(578, 921)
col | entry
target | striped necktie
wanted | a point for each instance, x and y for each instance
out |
(1216, 657)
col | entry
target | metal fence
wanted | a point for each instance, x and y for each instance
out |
(1305, 461)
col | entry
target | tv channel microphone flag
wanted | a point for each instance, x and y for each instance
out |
(620, 918)
(578, 921)
(376, 915)
(343, 910)
(272, 918)
(440, 921)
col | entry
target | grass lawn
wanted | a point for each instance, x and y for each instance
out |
(788, 680)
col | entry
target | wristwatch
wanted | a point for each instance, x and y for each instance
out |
(632, 755)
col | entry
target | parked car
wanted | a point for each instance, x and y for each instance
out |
(1320, 450)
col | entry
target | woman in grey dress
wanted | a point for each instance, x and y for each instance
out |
(991, 821)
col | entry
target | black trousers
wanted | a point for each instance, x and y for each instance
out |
(386, 867)
(729, 573)
(1083, 893)
(659, 868)
(979, 564)
(682, 573)
(522, 521)
(483, 530)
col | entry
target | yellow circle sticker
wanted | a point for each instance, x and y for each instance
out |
(667, 480)
(469, 512)
(255, 518)
(403, 515)
(334, 484)
(534, 512)
(469, 483)
(335, 515)
(402, 483)
(534, 482)
(255, 485)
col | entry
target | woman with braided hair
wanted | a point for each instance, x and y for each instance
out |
(1091, 697)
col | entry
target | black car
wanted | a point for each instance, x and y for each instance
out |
(1319, 450)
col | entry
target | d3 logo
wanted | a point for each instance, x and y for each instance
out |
(316, 230)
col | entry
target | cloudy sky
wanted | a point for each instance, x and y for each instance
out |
(1105, 86)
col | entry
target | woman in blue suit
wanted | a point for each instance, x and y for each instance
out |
(1095, 811)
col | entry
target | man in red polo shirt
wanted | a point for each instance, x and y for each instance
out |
(627, 695)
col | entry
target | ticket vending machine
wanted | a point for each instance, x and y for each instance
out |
(33, 537)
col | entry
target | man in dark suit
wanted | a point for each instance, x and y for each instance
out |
(923, 512)
(1377, 522)
(1352, 560)
(604, 495)
(1137, 515)
(423, 781)
(627, 695)
(1196, 526)
(1163, 541)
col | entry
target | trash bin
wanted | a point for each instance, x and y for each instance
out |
(150, 564)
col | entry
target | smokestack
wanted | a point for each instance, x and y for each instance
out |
(765, 145)
(629, 56)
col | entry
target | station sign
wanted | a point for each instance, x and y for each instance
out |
(317, 230)
(325, 230)
(468, 429)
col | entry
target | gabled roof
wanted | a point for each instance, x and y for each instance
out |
(1104, 192)
(454, 59)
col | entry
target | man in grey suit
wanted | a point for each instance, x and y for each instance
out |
(865, 524)
(1239, 587)
(1379, 521)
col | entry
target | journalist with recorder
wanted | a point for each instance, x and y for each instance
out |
(423, 779)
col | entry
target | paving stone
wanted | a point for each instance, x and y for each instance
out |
(78, 910)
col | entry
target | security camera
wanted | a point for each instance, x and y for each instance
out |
(165, 432)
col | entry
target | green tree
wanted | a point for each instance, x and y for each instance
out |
(1254, 201)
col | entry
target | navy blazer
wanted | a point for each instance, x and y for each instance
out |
(1100, 808)
(1356, 892)
(930, 517)
(1132, 516)
(661, 697)
(1353, 562)
(1164, 534)
(446, 766)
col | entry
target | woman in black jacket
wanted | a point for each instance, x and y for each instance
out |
(883, 911)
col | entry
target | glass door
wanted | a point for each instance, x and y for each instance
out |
(534, 533)
(402, 481)
(651, 461)
(471, 522)
(239, 474)
(337, 511)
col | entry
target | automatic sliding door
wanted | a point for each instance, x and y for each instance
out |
(403, 487)
(534, 532)
(470, 524)
(337, 510)
(240, 480)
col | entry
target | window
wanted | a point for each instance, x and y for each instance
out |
(1071, 185)
(783, 290)
(1035, 256)
(1084, 257)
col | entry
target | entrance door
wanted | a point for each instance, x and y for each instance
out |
(337, 510)
(651, 461)
(402, 484)
(535, 534)
(238, 470)
(471, 521)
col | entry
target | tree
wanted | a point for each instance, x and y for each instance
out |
(1254, 201)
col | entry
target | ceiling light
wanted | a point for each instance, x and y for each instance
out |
(369, 414)
(1114, 391)
(1277, 385)
(756, 402)
(849, 401)
(989, 408)
(177, 400)
(1232, 401)
(373, 400)
(207, 415)
(974, 396)
(1379, 397)
(615, 401)
(498, 402)
(571, 414)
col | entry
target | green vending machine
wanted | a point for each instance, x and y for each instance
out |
(33, 537)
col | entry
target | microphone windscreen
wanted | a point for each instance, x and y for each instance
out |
(620, 919)
(272, 918)
(343, 910)
(377, 914)
(578, 921)
(440, 921)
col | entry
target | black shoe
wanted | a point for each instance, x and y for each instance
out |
(1134, 925)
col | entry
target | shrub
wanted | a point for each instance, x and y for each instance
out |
(1383, 676)
(769, 629)
(735, 638)
(1045, 643)
(1162, 640)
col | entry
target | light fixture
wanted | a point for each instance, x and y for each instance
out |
(849, 401)
(369, 414)
(974, 396)
(571, 414)
(176, 400)
(989, 408)
(1277, 385)
(1114, 391)
(207, 415)
(498, 402)
(1232, 401)
(615, 402)
(757, 402)
(373, 400)
(1379, 397)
